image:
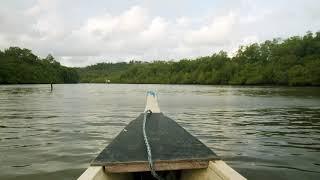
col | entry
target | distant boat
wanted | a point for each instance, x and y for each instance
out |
(154, 146)
(107, 81)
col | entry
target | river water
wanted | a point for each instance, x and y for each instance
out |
(262, 132)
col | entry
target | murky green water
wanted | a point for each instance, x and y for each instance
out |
(263, 132)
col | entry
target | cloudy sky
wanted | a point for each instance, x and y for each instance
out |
(82, 32)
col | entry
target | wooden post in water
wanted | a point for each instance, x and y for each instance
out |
(51, 86)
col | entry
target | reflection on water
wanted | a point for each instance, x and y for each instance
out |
(263, 132)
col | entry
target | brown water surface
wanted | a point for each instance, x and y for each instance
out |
(262, 132)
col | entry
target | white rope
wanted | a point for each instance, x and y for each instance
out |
(146, 142)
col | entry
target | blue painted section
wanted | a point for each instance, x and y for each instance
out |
(151, 93)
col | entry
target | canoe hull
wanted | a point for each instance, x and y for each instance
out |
(214, 169)
(217, 170)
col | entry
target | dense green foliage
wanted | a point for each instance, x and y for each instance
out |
(100, 72)
(293, 61)
(22, 66)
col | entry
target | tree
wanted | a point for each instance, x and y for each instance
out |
(298, 75)
(22, 66)
(49, 58)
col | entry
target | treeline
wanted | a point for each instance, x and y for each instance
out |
(293, 61)
(22, 66)
(101, 72)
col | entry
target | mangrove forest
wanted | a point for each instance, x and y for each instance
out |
(294, 61)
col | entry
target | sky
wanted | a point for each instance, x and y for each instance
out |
(81, 32)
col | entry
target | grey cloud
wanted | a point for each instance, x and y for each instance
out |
(80, 36)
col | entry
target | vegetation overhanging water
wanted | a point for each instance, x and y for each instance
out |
(294, 61)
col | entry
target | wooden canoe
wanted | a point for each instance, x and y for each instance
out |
(175, 152)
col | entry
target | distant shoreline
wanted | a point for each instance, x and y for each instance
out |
(294, 61)
(234, 85)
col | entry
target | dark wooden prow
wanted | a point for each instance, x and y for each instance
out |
(173, 148)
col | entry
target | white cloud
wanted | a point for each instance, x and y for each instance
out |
(214, 33)
(135, 32)
(108, 26)
(156, 30)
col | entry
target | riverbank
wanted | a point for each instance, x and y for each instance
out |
(294, 62)
(234, 85)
